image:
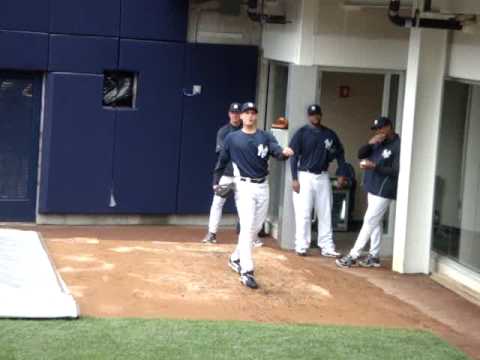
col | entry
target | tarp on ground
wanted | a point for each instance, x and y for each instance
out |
(30, 286)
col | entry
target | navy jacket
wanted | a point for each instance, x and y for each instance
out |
(249, 154)
(221, 135)
(315, 148)
(382, 181)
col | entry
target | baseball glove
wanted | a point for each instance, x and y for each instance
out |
(224, 190)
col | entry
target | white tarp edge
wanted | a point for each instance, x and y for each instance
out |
(30, 287)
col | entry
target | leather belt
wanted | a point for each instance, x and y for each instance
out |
(253, 181)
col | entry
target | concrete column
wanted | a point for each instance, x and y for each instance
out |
(427, 59)
(302, 91)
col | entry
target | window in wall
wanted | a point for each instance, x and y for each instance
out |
(119, 89)
(456, 224)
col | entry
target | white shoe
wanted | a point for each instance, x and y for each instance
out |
(331, 253)
(257, 242)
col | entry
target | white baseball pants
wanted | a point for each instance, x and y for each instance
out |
(315, 192)
(372, 226)
(252, 206)
(216, 209)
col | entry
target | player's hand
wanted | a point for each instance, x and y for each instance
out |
(377, 139)
(288, 152)
(367, 165)
(296, 186)
(341, 182)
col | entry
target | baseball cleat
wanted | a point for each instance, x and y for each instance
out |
(331, 254)
(234, 265)
(346, 262)
(257, 242)
(301, 253)
(248, 280)
(210, 238)
(370, 261)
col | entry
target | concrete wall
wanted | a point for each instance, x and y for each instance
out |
(341, 37)
(282, 42)
(207, 25)
(361, 38)
(351, 117)
(464, 55)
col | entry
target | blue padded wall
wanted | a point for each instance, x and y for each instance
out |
(227, 74)
(147, 138)
(82, 54)
(23, 50)
(25, 15)
(86, 17)
(78, 146)
(155, 19)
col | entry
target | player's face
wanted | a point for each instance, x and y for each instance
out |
(315, 120)
(249, 118)
(386, 131)
(234, 119)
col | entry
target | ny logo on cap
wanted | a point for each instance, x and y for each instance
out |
(313, 108)
(250, 104)
(235, 106)
(376, 122)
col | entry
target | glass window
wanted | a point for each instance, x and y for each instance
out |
(119, 89)
(456, 224)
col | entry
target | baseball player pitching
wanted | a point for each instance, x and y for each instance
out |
(249, 150)
(380, 159)
(315, 147)
(234, 124)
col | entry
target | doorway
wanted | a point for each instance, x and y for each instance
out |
(20, 108)
(350, 102)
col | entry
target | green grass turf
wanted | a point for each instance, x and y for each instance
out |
(165, 339)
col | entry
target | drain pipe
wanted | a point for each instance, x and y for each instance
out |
(417, 21)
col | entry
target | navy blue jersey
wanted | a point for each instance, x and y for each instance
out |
(249, 154)
(382, 180)
(315, 148)
(221, 135)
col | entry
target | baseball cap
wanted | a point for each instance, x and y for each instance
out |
(235, 107)
(249, 106)
(314, 110)
(380, 122)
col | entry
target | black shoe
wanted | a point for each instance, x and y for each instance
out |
(346, 262)
(248, 280)
(210, 238)
(370, 262)
(235, 265)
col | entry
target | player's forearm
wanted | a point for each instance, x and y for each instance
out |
(294, 168)
(365, 151)
(217, 174)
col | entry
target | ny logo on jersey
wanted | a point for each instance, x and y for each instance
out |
(262, 151)
(387, 153)
(328, 144)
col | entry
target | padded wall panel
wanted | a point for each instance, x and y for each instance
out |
(77, 146)
(147, 138)
(23, 50)
(86, 17)
(25, 15)
(227, 74)
(82, 54)
(155, 19)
